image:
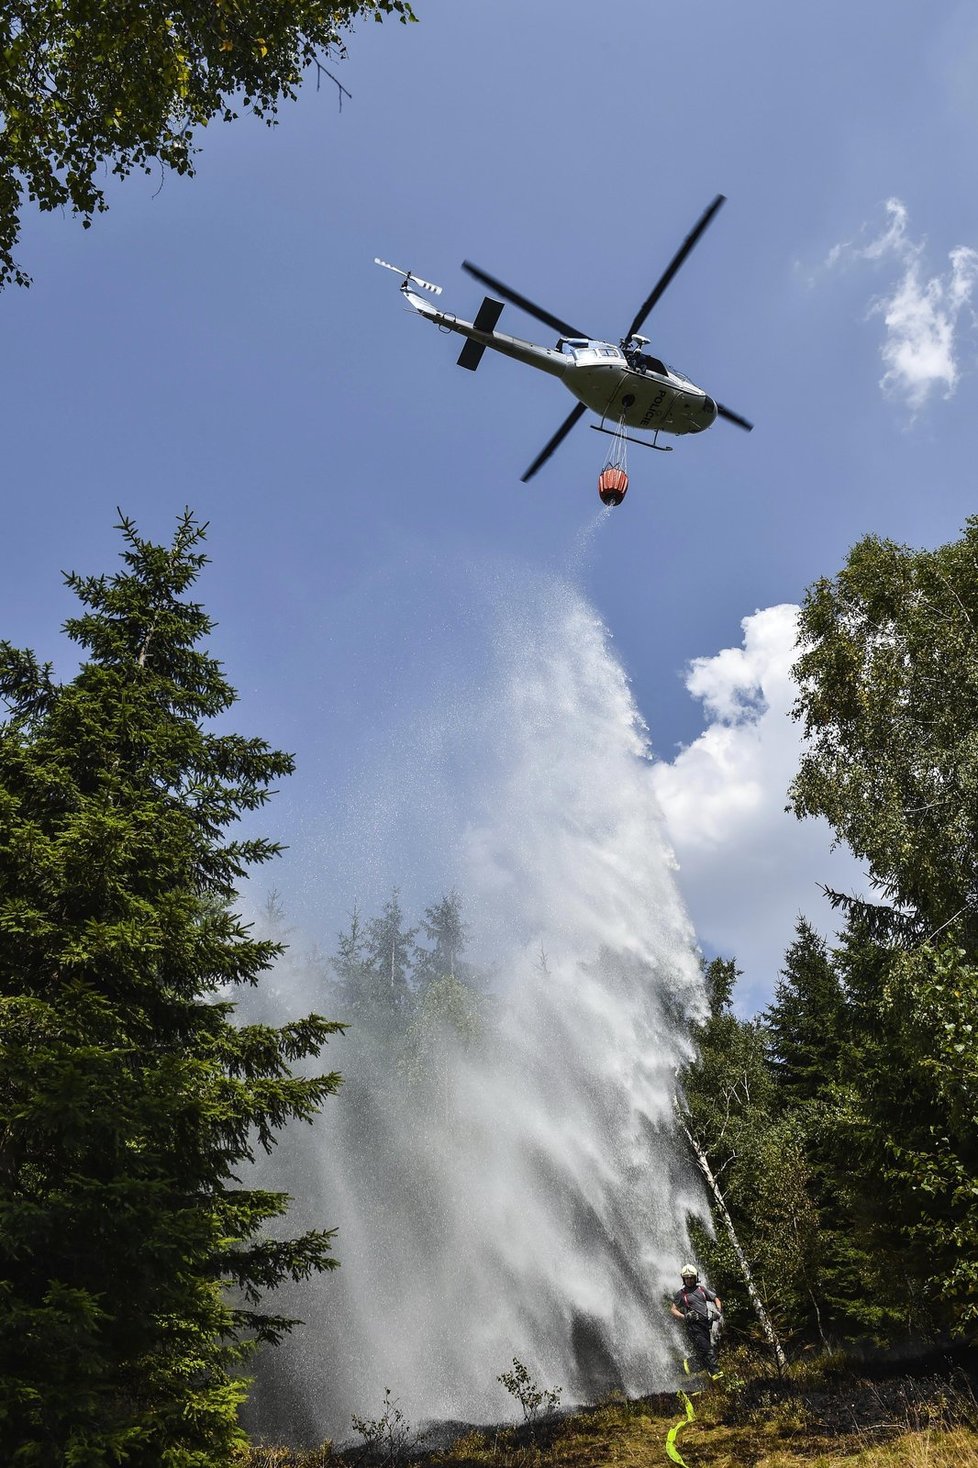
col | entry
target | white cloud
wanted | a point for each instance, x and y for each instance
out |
(922, 314)
(748, 868)
(921, 318)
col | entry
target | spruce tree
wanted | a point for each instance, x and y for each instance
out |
(904, 1133)
(813, 1042)
(447, 937)
(350, 968)
(805, 1022)
(388, 947)
(132, 1254)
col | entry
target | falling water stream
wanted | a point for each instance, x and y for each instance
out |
(532, 1203)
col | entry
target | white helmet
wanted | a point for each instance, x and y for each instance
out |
(689, 1269)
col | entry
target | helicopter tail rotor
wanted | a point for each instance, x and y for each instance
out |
(407, 275)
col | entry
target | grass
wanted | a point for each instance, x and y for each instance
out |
(821, 1416)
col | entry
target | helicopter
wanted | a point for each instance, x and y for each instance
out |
(620, 381)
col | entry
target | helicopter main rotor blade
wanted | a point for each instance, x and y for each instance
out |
(573, 417)
(666, 278)
(515, 299)
(733, 417)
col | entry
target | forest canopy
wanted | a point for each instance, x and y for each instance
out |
(842, 1124)
(837, 1130)
(93, 84)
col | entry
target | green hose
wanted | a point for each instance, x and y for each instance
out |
(674, 1432)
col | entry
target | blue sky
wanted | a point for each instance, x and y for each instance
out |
(227, 342)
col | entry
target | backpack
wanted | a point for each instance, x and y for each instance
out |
(696, 1301)
(705, 1309)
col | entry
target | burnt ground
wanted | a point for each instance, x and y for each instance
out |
(872, 1397)
(868, 1399)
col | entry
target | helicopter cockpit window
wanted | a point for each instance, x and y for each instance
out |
(589, 352)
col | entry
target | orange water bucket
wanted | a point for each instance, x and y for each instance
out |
(612, 485)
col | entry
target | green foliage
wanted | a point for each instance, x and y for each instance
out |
(133, 1258)
(809, 1042)
(889, 701)
(728, 1089)
(889, 698)
(843, 1130)
(534, 1400)
(407, 1003)
(449, 1017)
(719, 980)
(804, 1025)
(86, 84)
(909, 1122)
(937, 992)
(756, 1148)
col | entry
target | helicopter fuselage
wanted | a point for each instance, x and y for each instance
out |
(637, 390)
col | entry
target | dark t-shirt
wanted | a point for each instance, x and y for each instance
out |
(695, 1300)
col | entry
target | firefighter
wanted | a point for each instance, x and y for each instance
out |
(701, 1311)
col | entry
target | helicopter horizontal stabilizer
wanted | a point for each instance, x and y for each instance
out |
(471, 355)
(489, 313)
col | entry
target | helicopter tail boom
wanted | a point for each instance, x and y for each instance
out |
(545, 358)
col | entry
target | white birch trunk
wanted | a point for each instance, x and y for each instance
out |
(767, 1324)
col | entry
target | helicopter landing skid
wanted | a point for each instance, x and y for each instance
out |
(643, 442)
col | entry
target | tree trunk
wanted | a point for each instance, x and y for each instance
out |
(767, 1325)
